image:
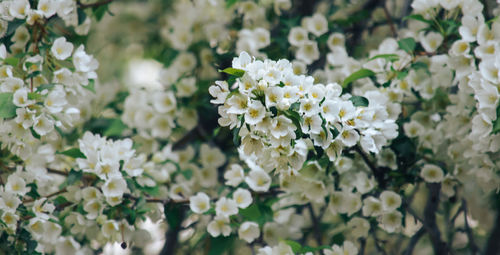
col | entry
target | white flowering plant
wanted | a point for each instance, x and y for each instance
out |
(249, 126)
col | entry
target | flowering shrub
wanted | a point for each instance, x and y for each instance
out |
(260, 127)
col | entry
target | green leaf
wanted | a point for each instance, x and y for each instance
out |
(81, 16)
(407, 44)
(100, 11)
(45, 86)
(7, 107)
(388, 57)
(496, 123)
(296, 247)
(419, 18)
(230, 3)
(359, 101)
(219, 245)
(116, 128)
(363, 73)
(233, 71)
(59, 200)
(251, 213)
(34, 96)
(11, 61)
(402, 74)
(306, 249)
(33, 191)
(419, 65)
(296, 119)
(74, 153)
(34, 74)
(90, 86)
(73, 177)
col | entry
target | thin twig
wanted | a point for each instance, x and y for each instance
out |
(48, 196)
(315, 221)
(389, 20)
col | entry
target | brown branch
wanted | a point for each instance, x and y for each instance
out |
(439, 246)
(413, 241)
(48, 196)
(58, 172)
(315, 221)
(377, 172)
(473, 246)
(389, 20)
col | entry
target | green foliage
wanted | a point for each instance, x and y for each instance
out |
(362, 73)
(219, 245)
(233, 71)
(7, 107)
(73, 152)
(496, 123)
(116, 128)
(359, 101)
(407, 44)
(90, 86)
(388, 57)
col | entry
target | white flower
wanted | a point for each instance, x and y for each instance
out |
(56, 100)
(255, 113)
(9, 201)
(391, 222)
(93, 209)
(308, 52)
(199, 203)
(248, 231)
(61, 49)
(297, 36)
(242, 197)
(390, 200)
(16, 185)
(234, 176)
(359, 227)
(19, 8)
(372, 207)
(349, 136)
(317, 24)
(47, 7)
(413, 129)
(220, 225)
(162, 126)
(242, 61)
(109, 228)
(258, 180)
(431, 41)
(42, 208)
(164, 102)
(226, 207)
(348, 248)
(21, 98)
(43, 125)
(262, 37)
(432, 173)
(114, 187)
(10, 219)
(335, 40)
(84, 62)
(67, 245)
(211, 157)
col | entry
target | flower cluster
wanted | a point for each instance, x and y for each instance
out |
(280, 115)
